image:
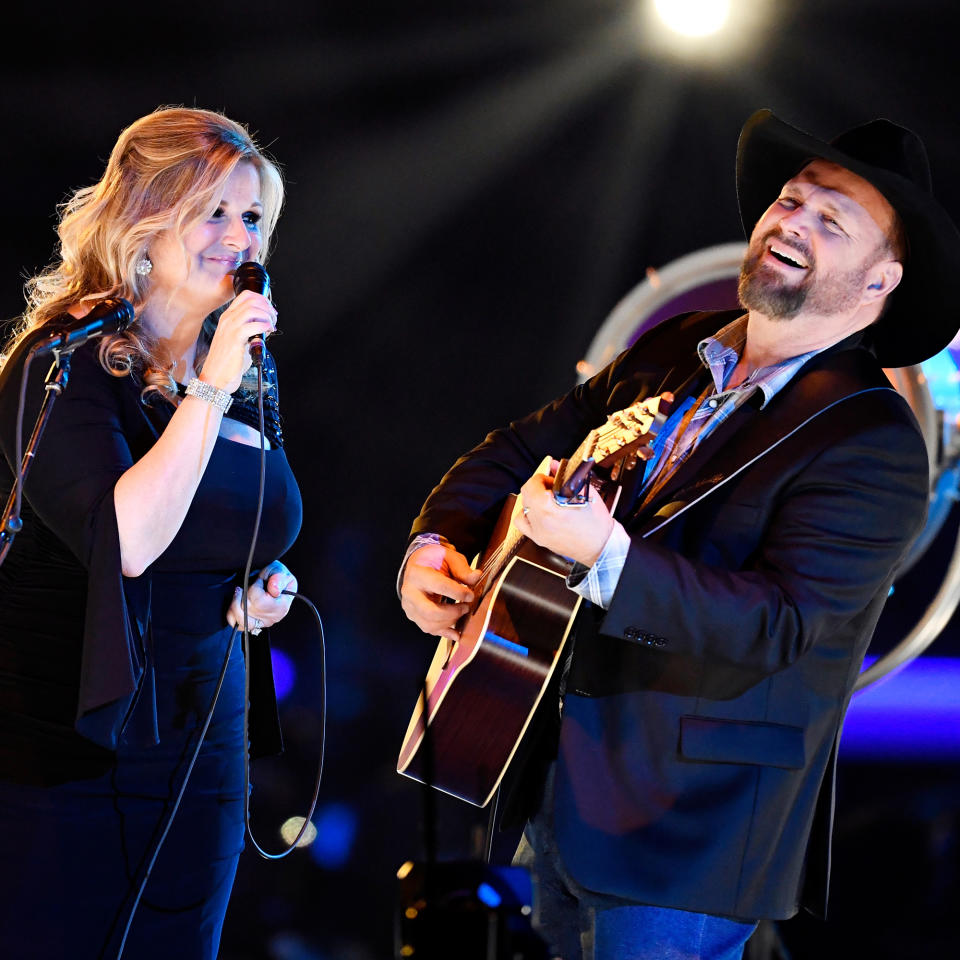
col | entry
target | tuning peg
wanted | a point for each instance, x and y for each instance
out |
(645, 452)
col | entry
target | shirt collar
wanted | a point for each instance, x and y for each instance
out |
(720, 353)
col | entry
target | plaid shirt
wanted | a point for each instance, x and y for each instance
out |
(671, 448)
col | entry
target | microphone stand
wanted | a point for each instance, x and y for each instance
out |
(54, 385)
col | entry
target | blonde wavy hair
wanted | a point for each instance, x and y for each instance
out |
(166, 172)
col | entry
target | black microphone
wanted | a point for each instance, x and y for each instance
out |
(113, 315)
(252, 276)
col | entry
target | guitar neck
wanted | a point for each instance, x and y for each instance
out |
(575, 471)
(624, 436)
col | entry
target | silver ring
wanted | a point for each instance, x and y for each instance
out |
(257, 626)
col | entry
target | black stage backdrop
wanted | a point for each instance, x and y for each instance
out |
(472, 186)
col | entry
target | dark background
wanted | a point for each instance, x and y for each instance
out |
(471, 188)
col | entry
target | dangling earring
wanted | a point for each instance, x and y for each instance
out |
(144, 266)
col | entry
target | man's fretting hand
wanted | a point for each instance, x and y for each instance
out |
(578, 532)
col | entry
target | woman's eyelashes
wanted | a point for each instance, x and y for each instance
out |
(251, 218)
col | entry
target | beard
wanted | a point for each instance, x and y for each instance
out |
(763, 288)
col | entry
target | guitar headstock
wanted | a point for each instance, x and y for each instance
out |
(631, 430)
(623, 439)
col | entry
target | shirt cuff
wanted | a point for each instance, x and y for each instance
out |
(420, 540)
(598, 583)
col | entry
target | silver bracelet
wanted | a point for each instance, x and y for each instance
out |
(206, 391)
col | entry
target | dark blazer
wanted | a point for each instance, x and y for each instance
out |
(702, 712)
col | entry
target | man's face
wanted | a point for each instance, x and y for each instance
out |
(813, 248)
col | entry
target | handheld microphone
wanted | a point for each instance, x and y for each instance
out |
(108, 316)
(252, 276)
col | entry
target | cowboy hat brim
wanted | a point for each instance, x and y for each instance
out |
(921, 317)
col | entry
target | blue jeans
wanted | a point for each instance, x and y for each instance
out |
(578, 923)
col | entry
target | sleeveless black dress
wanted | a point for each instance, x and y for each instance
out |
(105, 681)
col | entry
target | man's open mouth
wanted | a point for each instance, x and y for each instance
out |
(789, 258)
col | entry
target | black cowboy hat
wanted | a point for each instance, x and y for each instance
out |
(922, 314)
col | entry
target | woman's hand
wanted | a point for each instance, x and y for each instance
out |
(265, 607)
(228, 358)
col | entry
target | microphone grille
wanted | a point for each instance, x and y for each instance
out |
(115, 311)
(251, 276)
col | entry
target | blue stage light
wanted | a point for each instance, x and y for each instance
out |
(284, 673)
(336, 825)
(486, 894)
(911, 716)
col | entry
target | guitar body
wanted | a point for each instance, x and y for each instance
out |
(483, 690)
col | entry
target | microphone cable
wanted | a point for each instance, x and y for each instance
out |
(180, 793)
(246, 674)
(16, 498)
(246, 701)
(16, 495)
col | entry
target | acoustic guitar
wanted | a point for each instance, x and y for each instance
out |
(482, 691)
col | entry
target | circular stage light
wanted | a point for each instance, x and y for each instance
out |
(291, 828)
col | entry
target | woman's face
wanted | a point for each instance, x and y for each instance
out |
(194, 273)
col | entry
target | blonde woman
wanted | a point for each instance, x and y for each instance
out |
(118, 597)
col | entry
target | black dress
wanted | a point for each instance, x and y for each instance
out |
(105, 681)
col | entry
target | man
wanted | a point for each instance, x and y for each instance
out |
(733, 593)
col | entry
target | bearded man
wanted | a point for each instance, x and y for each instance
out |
(686, 789)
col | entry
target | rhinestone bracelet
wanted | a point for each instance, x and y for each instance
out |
(206, 391)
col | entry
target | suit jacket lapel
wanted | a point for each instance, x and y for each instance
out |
(825, 379)
(681, 380)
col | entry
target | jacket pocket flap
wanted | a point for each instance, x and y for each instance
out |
(734, 741)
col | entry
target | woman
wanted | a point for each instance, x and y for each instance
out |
(118, 598)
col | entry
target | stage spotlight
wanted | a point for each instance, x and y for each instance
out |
(694, 18)
(701, 33)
